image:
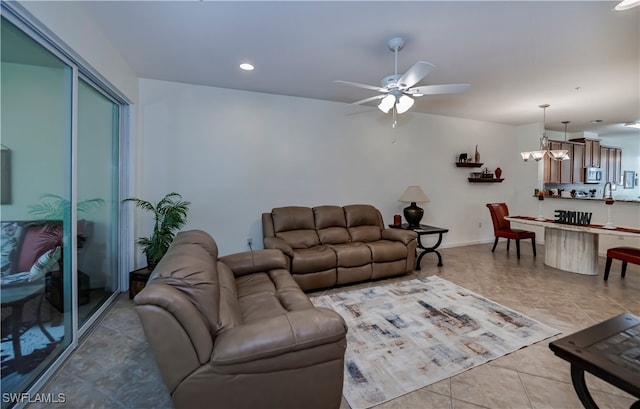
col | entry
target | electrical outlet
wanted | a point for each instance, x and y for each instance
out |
(249, 241)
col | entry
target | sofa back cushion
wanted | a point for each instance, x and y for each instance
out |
(296, 226)
(190, 266)
(364, 222)
(331, 225)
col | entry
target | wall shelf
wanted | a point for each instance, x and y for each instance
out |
(468, 165)
(485, 180)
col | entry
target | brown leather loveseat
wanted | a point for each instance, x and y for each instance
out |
(330, 245)
(238, 332)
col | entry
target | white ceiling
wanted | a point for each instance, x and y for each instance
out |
(579, 56)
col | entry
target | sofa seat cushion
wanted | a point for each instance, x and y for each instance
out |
(313, 259)
(265, 295)
(257, 297)
(385, 250)
(352, 254)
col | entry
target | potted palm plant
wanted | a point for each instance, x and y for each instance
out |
(170, 215)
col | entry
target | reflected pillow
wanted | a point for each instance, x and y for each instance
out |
(44, 264)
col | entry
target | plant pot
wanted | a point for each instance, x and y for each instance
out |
(151, 264)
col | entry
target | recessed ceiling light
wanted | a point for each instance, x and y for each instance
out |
(246, 66)
(596, 121)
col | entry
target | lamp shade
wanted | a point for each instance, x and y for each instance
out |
(414, 194)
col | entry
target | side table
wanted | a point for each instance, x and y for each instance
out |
(607, 350)
(423, 230)
(137, 280)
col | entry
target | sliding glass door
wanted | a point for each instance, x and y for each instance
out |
(35, 220)
(59, 219)
(97, 206)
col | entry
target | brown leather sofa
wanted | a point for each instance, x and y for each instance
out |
(238, 332)
(331, 245)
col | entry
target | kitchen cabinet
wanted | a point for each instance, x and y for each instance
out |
(604, 163)
(610, 164)
(577, 159)
(559, 171)
(592, 155)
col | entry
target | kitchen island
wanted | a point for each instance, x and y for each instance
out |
(571, 247)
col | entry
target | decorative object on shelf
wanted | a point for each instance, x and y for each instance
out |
(556, 154)
(462, 158)
(540, 200)
(477, 155)
(397, 220)
(608, 200)
(170, 215)
(498, 173)
(412, 213)
(629, 179)
(572, 217)
(487, 174)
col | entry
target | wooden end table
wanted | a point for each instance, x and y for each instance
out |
(424, 230)
(605, 350)
(137, 280)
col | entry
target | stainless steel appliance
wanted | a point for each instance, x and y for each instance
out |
(592, 175)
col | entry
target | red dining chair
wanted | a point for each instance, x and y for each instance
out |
(502, 228)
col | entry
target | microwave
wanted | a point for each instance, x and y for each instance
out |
(592, 175)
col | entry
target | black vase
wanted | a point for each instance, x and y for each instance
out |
(413, 214)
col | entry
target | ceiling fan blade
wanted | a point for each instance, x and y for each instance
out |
(439, 89)
(364, 101)
(365, 86)
(417, 72)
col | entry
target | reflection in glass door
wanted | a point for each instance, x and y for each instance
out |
(97, 187)
(35, 217)
(59, 222)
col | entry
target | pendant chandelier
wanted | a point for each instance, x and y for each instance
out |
(555, 154)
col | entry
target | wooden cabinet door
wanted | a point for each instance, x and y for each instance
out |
(615, 165)
(565, 165)
(553, 165)
(595, 157)
(604, 163)
(577, 160)
(588, 154)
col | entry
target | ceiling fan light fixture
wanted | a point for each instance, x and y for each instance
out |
(626, 5)
(404, 103)
(387, 103)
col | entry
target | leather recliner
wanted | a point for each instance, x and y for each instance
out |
(333, 245)
(238, 332)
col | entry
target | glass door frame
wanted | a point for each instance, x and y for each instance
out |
(14, 13)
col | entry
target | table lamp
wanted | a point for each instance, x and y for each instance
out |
(412, 213)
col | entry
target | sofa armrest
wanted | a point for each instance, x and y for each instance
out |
(405, 236)
(278, 244)
(293, 331)
(250, 262)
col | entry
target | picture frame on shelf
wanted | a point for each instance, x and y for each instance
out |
(629, 179)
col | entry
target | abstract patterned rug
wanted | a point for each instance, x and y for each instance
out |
(410, 334)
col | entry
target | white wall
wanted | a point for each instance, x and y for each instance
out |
(73, 27)
(237, 154)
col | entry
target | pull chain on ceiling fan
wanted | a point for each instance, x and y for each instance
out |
(396, 90)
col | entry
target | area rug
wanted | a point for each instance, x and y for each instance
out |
(407, 335)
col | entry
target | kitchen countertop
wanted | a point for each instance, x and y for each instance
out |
(593, 198)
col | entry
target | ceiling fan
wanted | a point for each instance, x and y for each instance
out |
(397, 91)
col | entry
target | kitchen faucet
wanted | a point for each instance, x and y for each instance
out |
(607, 199)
